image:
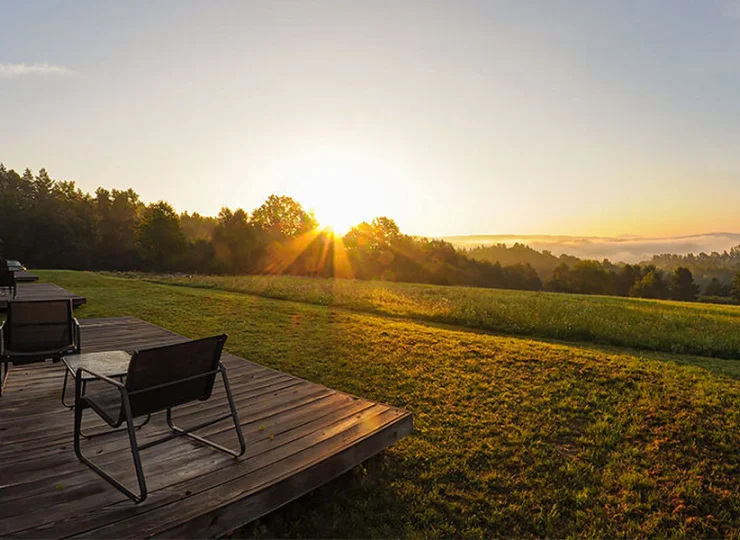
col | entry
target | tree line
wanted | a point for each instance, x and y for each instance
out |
(716, 271)
(711, 277)
(544, 262)
(593, 277)
(49, 223)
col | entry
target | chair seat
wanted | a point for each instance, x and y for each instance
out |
(107, 403)
(43, 352)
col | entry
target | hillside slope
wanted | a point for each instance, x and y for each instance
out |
(675, 327)
(513, 437)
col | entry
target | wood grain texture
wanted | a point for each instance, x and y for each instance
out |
(41, 291)
(299, 436)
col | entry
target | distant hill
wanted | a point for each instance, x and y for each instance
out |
(625, 248)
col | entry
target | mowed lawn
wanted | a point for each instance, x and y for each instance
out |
(513, 437)
(673, 327)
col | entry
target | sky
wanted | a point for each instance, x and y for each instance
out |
(454, 117)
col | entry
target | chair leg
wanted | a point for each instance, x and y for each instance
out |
(3, 376)
(64, 390)
(234, 416)
(79, 408)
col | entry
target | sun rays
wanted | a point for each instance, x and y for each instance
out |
(322, 250)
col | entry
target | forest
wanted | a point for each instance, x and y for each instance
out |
(49, 223)
(711, 277)
(52, 224)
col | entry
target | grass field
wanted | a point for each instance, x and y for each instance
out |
(674, 327)
(514, 437)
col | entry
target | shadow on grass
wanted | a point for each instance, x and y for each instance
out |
(691, 353)
(360, 503)
(312, 325)
(717, 366)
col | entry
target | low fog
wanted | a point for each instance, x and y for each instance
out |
(629, 249)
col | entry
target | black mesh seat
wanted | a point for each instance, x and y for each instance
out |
(157, 380)
(107, 405)
(37, 330)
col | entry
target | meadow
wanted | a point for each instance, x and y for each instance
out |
(674, 327)
(513, 436)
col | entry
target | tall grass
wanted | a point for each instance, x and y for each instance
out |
(674, 327)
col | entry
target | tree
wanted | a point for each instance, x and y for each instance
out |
(385, 233)
(590, 277)
(625, 279)
(735, 288)
(716, 288)
(682, 286)
(236, 242)
(651, 285)
(160, 236)
(197, 227)
(282, 217)
(522, 277)
(560, 281)
(119, 214)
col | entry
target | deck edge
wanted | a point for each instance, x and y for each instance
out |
(226, 519)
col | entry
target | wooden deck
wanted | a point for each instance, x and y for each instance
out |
(41, 291)
(25, 276)
(299, 436)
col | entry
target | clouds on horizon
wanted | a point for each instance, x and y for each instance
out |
(616, 249)
(12, 71)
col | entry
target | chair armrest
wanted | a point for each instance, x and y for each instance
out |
(98, 376)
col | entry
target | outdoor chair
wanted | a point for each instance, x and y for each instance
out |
(35, 331)
(158, 379)
(7, 281)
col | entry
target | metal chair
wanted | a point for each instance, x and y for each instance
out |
(158, 379)
(7, 281)
(35, 331)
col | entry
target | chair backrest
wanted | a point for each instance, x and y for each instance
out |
(39, 326)
(7, 277)
(155, 376)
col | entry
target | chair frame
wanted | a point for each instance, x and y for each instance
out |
(127, 417)
(72, 406)
(12, 285)
(9, 356)
(4, 370)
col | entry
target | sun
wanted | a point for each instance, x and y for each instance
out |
(342, 186)
(336, 217)
(341, 195)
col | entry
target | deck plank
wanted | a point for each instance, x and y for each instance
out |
(24, 276)
(299, 436)
(41, 291)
